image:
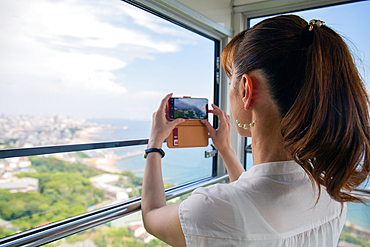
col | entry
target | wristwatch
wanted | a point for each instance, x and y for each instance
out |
(151, 150)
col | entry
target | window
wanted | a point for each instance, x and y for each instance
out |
(79, 72)
(128, 230)
(350, 21)
(76, 71)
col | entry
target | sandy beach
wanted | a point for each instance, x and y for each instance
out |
(106, 159)
(84, 135)
(108, 164)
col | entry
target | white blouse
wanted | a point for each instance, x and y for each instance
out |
(272, 204)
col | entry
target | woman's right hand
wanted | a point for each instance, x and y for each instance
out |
(221, 137)
(161, 126)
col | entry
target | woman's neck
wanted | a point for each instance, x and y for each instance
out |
(268, 150)
(267, 141)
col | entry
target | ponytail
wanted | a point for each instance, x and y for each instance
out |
(321, 98)
(327, 129)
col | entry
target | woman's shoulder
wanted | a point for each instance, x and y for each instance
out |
(210, 211)
(213, 193)
(218, 199)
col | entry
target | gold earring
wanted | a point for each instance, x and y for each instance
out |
(244, 126)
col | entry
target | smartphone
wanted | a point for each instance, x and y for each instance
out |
(188, 108)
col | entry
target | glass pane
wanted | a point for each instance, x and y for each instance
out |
(350, 21)
(81, 71)
(126, 231)
(357, 226)
(42, 189)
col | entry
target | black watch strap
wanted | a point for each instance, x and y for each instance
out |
(151, 150)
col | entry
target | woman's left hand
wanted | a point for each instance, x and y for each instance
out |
(221, 137)
(161, 126)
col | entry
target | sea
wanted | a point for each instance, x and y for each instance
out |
(184, 164)
(178, 166)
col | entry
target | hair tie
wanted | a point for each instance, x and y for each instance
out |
(315, 23)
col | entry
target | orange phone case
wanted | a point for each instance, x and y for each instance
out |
(191, 133)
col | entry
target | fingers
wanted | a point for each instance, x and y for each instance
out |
(221, 135)
(176, 122)
(209, 127)
(164, 101)
(229, 119)
(223, 116)
(216, 110)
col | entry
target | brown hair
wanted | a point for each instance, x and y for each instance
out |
(321, 98)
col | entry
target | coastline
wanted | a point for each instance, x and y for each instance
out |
(105, 159)
(86, 135)
(107, 163)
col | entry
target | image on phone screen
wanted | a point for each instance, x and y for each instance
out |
(188, 108)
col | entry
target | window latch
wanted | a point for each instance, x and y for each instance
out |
(248, 149)
(210, 153)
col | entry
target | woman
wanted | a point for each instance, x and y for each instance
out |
(296, 91)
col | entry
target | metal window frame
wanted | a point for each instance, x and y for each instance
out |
(22, 152)
(261, 9)
(184, 16)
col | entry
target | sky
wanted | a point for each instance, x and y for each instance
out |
(96, 59)
(108, 59)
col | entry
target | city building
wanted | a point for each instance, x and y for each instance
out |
(15, 184)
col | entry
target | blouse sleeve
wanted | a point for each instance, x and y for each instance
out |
(207, 215)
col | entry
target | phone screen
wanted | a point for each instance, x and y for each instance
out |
(188, 108)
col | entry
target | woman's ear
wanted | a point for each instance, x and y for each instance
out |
(247, 84)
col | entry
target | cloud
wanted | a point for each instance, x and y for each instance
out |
(69, 42)
(84, 22)
(153, 23)
(64, 56)
(98, 83)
